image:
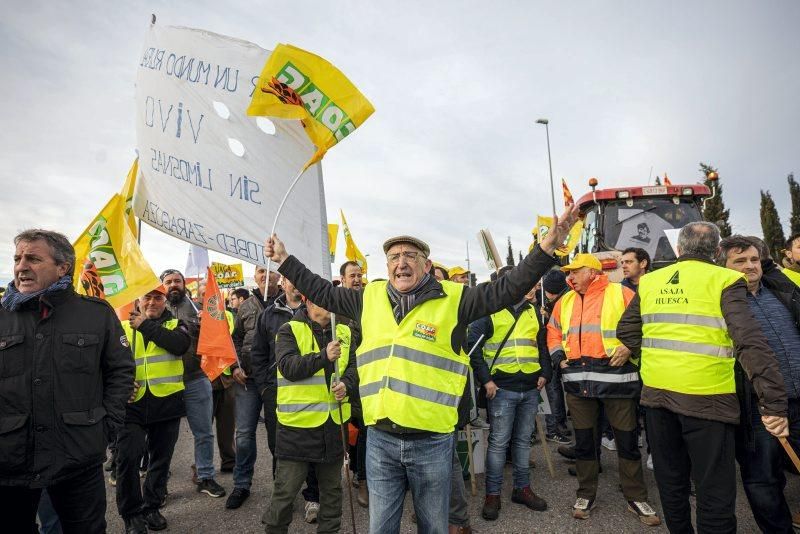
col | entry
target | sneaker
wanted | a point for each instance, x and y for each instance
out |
(650, 462)
(564, 430)
(566, 452)
(609, 444)
(479, 422)
(237, 498)
(557, 438)
(528, 498)
(645, 513)
(312, 509)
(582, 507)
(210, 487)
(154, 520)
(135, 525)
(491, 507)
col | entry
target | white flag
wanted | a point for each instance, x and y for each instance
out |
(210, 174)
(197, 262)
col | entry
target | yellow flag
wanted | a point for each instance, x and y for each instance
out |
(296, 84)
(228, 276)
(113, 264)
(543, 225)
(127, 196)
(333, 235)
(352, 252)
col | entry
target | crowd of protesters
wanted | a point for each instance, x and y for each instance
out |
(696, 363)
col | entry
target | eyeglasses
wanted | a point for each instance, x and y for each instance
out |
(408, 255)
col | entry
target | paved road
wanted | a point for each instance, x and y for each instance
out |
(190, 512)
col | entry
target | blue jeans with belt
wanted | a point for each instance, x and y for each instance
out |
(396, 462)
(511, 415)
(199, 412)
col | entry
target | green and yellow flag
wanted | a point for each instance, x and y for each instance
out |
(352, 252)
(296, 84)
(543, 225)
(127, 196)
(333, 235)
(110, 264)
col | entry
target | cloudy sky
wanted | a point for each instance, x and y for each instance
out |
(453, 146)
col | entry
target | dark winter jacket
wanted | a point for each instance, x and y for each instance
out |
(244, 327)
(262, 353)
(66, 373)
(476, 302)
(322, 444)
(509, 381)
(151, 409)
(753, 353)
(186, 313)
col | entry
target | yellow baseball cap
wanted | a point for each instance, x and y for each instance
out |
(583, 260)
(455, 271)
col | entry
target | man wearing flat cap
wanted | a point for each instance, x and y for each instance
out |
(412, 369)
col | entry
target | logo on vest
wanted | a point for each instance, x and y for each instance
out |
(676, 278)
(425, 331)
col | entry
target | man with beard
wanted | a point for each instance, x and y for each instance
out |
(65, 374)
(198, 395)
(154, 411)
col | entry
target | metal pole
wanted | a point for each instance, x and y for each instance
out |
(469, 280)
(346, 463)
(549, 162)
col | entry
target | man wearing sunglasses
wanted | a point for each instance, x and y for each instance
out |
(411, 366)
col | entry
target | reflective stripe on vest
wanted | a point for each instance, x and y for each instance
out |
(408, 372)
(610, 313)
(156, 369)
(685, 343)
(309, 402)
(520, 352)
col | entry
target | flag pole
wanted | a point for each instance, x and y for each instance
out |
(278, 214)
(470, 456)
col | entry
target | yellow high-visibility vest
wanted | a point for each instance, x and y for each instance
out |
(309, 402)
(685, 343)
(408, 372)
(520, 352)
(156, 369)
(793, 275)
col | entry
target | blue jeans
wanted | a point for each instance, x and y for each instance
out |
(199, 411)
(510, 412)
(762, 472)
(48, 516)
(395, 463)
(248, 408)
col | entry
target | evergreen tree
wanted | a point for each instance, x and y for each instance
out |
(510, 257)
(794, 194)
(714, 210)
(771, 225)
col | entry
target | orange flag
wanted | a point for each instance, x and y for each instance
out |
(567, 195)
(124, 312)
(666, 180)
(215, 344)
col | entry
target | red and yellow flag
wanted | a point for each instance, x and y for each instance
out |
(667, 180)
(567, 194)
(296, 84)
(215, 345)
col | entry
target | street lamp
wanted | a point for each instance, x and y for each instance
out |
(549, 161)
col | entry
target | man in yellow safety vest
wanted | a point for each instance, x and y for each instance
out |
(311, 408)
(154, 412)
(684, 323)
(411, 366)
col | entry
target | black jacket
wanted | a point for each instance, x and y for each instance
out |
(262, 352)
(66, 373)
(151, 409)
(187, 314)
(322, 444)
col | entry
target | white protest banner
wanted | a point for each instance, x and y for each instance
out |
(209, 174)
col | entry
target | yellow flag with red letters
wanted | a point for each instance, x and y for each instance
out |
(296, 84)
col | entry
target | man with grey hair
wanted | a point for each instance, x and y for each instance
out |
(684, 323)
(411, 366)
(66, 373)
